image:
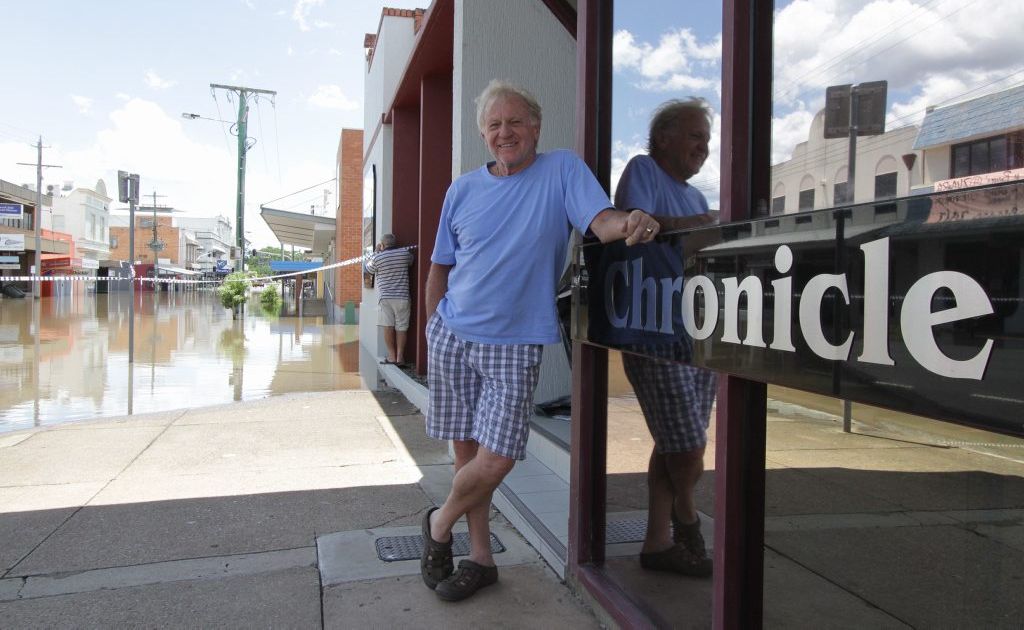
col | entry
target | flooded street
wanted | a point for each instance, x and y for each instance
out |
(66, 358)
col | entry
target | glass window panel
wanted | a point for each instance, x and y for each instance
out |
(979, 158)
(961, 160)
(778, 205)
(997, 154)
(661, 54)
(885, 186)
(806, 200)
(840, 192)
(856, 509)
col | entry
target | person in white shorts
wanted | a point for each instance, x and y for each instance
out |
(390, 267)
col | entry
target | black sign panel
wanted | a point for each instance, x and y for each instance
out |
(916, 304)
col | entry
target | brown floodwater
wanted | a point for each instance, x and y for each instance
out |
(66, 358)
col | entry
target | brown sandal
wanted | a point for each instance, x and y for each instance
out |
(677, 559)
(470, 578)
(689, 535)
(436, 560)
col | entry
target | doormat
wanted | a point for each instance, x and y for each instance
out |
(625, 531)
(397, 548)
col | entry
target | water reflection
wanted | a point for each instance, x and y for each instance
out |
(66, 358)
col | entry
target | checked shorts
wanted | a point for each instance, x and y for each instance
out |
(479, 391)
(676, 398)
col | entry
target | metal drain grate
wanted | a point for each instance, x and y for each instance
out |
(625, 531)
(396, 548)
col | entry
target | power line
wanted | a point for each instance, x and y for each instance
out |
(326, 181)
(263, 145)
(277, 141)
(227, 143)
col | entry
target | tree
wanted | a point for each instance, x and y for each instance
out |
(234, 291)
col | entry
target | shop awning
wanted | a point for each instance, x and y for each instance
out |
(176, 271)
(308, 231)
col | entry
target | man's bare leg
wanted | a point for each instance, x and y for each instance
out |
(685, 470)
(389, 342)
(671, 482)
(474, 484)
(400, 346)
(659, 506)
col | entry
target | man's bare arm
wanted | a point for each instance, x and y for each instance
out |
(635, 226)
(437, 286)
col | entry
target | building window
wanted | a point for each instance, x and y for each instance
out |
(840, 192)
(806, 200)
(885, 186)
(988, 155)
(779, 205)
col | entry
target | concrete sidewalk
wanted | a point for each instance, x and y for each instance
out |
(255, 514)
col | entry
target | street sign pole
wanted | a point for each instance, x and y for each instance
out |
(37, 287)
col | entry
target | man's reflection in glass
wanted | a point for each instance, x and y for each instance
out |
(676, 399)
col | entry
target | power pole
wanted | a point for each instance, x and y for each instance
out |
(244, 93)
(156, 246)
(37, 218)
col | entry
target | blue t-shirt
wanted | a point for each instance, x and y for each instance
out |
(646, 186)
(506, 240)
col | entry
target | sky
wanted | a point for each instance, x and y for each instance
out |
(105, 83)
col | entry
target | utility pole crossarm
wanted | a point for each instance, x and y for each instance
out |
(237, 88)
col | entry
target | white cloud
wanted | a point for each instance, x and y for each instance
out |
(121, 96)
(335, 52)
(154, 81)
(332, 97)
(290, 51)
(625, 52)
(679, 61)
(83, 103)
(902, 41)
(300, 13)
(622, 153)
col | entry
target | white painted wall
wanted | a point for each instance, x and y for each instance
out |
(394, 47)
(391, 55)
(520, 41)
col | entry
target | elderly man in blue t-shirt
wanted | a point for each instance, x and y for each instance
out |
(490, 297)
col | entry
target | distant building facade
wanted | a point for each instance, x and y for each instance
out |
(85, 214)
(974, 138)
(214, 236)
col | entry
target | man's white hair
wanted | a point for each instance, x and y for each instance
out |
(498, 88)
(666, 117)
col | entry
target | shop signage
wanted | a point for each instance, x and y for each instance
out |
(12, 242)
(11, 210)
(916, 316)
